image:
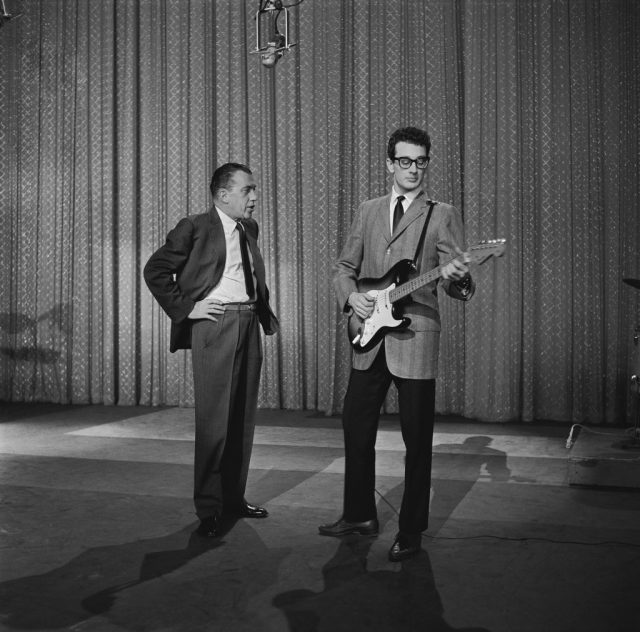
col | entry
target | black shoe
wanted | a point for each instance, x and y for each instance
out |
(404, 547)
(344, 527)
(209, 527)
(246, 510)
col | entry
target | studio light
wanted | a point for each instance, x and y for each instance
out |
(5, 16)
(271, 41)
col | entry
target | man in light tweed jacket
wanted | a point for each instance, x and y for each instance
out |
(406, 356)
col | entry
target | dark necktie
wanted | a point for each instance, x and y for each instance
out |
(246, 262)
(398, 212)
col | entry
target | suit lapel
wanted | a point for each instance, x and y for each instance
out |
(382, 218)
(258, 263)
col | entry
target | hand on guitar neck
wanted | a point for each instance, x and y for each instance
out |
(456, 269)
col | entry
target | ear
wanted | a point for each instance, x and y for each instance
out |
(389, 165)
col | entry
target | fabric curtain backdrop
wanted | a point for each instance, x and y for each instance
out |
(115, 113)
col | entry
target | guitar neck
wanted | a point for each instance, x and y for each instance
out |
(411, 286)
(478, 254)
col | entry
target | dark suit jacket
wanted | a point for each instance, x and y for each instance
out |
(190, 264)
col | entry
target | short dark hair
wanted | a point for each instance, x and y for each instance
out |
(411, 135)
(223, 175)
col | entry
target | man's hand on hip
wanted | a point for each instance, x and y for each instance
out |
(205, 308)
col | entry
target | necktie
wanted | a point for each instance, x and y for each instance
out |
(246, 262)
(398, 212)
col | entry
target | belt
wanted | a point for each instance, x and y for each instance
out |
(239, 307)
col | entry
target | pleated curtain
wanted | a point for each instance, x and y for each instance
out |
(114, 114)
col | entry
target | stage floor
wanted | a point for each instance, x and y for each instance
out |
(97, 531)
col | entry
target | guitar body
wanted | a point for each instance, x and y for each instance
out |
(365, 334)
(391, 290)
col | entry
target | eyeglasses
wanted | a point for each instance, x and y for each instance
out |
(406, 163)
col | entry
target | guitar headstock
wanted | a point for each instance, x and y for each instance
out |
(483, 250)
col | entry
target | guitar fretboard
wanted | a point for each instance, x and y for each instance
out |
(477, 254)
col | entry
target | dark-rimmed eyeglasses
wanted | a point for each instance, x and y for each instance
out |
(405, 162)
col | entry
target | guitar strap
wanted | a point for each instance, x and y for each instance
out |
(424, 232)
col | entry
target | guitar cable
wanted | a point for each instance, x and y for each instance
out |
(488, 536)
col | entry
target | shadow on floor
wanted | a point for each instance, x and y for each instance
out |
(359, 600)
(89, 584)
(468, 460)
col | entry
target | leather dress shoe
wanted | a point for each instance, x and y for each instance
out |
(404, 547)
(247, 510)
(209, 527)
(344, 527)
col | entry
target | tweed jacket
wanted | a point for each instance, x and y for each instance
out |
(371, 250)
(190, 264)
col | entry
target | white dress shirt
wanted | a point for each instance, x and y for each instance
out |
(231, 288)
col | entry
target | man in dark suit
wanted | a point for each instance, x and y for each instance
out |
(385, 231)
(209, 277)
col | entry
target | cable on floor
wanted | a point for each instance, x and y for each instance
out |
(514, 539)
(534, 539)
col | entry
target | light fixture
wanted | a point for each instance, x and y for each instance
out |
(5, 16)
(271, 42)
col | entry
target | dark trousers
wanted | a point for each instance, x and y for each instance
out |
(227, 357)
(365, 395)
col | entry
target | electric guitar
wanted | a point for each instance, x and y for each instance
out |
(390, 289)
